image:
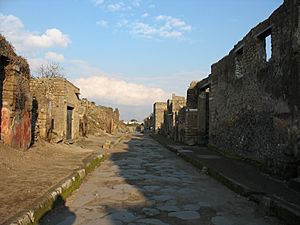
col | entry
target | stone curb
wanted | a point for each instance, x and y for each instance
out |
(270, 205)
(60, 192)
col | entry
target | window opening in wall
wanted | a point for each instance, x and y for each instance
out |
(266, 39)
(268, 47)
(238, 62)
(52, 124)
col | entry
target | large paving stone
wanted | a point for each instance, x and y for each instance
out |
(150, 211)
(124, 216)
(119, 197)
(151, 188)
(204, 204)
(162, 198)
(152, 222)
(125, 187)
(169, 208)
(221, 220)
(185, 215)
(193, 207)
(104, 192)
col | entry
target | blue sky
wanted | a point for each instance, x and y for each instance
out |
(130, 53)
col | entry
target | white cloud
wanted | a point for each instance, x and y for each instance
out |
(119, 91)
(136, 3)
(102, 23)
(176, 82)
(116, 7)
(49, 39)
(166, 27)
(77, 66)
(98, 2)
(35, 64)
(122, 23)
(145, 15)
(143, 29)
(53, 56)
(23, 40)
(171, 22)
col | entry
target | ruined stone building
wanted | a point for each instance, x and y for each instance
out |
(249, 106)
(193, 119)
(57, 111)
(158, 115)
(149, 123)
(101, 119)
(191, 115)
(45, 108)
(255, 94)
(180, 121)
(60, 115)
(170, 114)
(15, 99)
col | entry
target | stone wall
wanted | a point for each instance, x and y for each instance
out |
(52, 98)
(191, 115)
(255, 101)
(197, 113)
(203, 87)
(149, 123)
(158, 115)
(173, 106)
(180, 125)
(101, 119)
(15, 98)
(42, 102)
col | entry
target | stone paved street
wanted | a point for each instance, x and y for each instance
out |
(143, 183)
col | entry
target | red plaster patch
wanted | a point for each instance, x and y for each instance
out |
(22, 132)
(5, 121)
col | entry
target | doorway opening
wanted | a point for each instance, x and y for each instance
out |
(69, 122)
(203, 116)
(34, 119)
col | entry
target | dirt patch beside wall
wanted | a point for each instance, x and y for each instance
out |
(26, 176)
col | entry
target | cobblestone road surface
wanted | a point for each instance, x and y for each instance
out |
(143, 183)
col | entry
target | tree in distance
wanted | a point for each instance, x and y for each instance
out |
(50, 70)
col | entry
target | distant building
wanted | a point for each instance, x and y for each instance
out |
(158, 115)
(173, 107)
(149, 123)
